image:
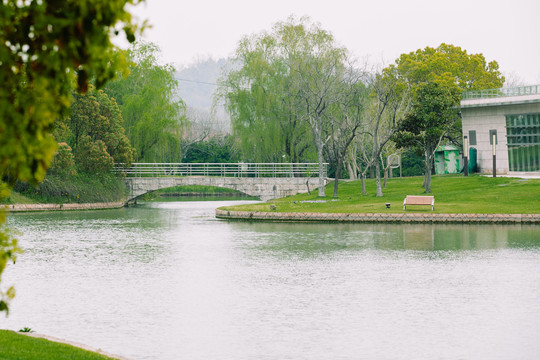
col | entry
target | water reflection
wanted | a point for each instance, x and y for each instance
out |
(311, 238)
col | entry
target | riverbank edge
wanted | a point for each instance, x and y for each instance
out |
(63, 207)
(379, 217)
(75, 344)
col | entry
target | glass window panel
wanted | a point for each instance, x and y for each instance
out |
(523, 139)
(472, 137)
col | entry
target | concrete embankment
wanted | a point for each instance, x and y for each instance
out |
(387, 218)
(63, 207)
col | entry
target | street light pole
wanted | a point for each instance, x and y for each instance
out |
(465, 156)
(494, 138)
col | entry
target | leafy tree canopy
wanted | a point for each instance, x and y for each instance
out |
(215, 150)
(97, 116)
(449, 65)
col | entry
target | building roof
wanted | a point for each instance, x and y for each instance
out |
(503, 96)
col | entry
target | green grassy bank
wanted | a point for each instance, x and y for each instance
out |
(80, 188)
(14, 346)
(453, 194)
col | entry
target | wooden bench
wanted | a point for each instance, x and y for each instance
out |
(419, 200)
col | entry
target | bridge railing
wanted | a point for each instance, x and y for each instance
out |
(222, 169)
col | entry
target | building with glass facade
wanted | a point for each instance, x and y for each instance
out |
(510, 117)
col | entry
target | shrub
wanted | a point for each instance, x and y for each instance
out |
(63, 163)
(92, 156)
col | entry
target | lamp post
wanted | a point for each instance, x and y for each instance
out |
(465, 156)
(494, 138)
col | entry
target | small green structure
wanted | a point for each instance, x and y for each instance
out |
(447, 160)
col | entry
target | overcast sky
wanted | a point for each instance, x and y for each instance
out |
(507, 31)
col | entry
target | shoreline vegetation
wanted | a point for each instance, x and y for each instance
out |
(38, 199)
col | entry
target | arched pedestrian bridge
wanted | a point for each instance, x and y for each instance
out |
(263, 180)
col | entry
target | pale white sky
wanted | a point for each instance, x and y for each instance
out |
(507, 31)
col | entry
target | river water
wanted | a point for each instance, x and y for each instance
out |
(168, 281)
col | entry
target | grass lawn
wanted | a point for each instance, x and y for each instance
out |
(14, 346)
(453, 194)
(17, 198)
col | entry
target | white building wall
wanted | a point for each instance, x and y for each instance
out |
(484, 117)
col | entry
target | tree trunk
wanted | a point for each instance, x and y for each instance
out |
(378, 177)
(352, 172)
(385, 170)
(364, 191)
(428, 174)
(336, 180)
(321, 168)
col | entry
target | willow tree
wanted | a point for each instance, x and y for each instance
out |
(318, 73)
(262, 97)
(153, 115)
(47, 48)
(283, 89)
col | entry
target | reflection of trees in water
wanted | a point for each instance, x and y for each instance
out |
(467, 237)
(308, 239)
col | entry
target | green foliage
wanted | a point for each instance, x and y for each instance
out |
(451, 66)
(263, 98)
(215, 150)
(153, 116)
(412, 164)
(63, 162)
(8, 253)
(92, 157)
(432, 116)
(286, 93)
(96, 118)
(78, 188)
(45, 47)
(16, 346)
